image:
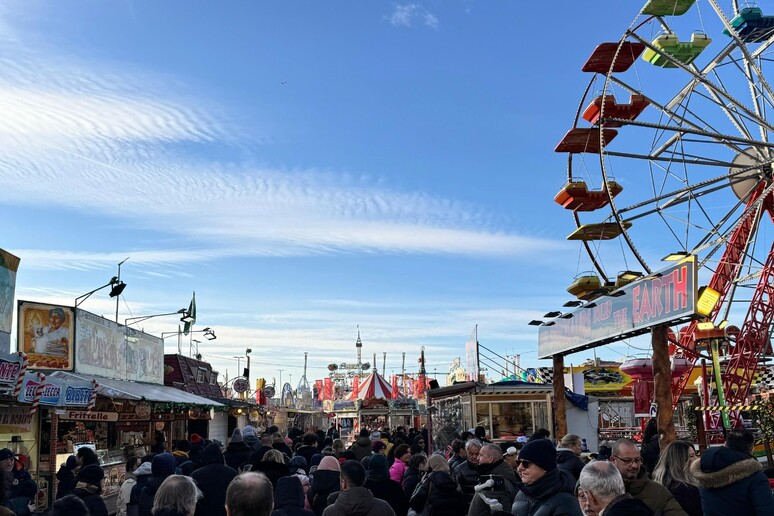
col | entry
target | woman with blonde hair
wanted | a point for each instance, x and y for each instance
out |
(672, 472)
(177, 496)
(273, 466)
(439, 490)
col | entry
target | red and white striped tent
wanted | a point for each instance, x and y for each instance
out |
(373, 386)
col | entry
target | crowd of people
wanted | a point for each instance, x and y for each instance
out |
(393, 474)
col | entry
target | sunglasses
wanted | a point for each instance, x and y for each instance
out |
(523, 463)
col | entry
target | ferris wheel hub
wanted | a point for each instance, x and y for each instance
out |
(745, 182)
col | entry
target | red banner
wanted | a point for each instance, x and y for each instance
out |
(327, 389)
(420, 386)
(355, 386)
(395, 393)
(318, 385)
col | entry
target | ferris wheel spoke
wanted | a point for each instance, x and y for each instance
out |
(703, 80)
(677, 129)
(688, 159)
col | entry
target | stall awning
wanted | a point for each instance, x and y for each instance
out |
(136, 391)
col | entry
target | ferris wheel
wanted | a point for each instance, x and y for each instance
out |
(671, 152)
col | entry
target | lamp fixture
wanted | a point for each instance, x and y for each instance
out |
(706, 325)
(708, 298)
(673, 257)
(723, 324)
(617, 293)
(573, 303)
(629, 276)
(568, 315)
(535, 322)
(117, 287)
(553, 314)
(590, 305)
(187, 317)
(209, 334)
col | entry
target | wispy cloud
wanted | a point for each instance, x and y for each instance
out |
(410, 15)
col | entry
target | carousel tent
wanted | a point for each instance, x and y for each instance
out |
(373, 386)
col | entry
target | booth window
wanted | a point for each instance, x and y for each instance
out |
(200, 375)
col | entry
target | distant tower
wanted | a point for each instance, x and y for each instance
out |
(359, 347)
(422, 362)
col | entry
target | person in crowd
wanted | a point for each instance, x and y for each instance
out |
(197, 445)
(250, 439)
(458, 455)
(491, 465)
(377, 448)
(22, 500)
(213, 477)
(402, 458)
(162, 466)
(510, 457)
(466, 473)
(543, 491)
(626, 457)
(605, 450)
(86, 456)
(273, 466)
(731, 480)
(237, 452)
(141, 476)
(297, 465)
(650, 449)
(263, 446)
(417, 467)
(249, 494)
(568, 455)
(69, 505)
(278, 443)
(672, 471)
(540, 433)
(355, 499)
(306, 484)
(4, 510)
(89, 489)
(326, 480)
(177, 496)
(316, 458)
(362, 446)
(125, 491)
(480, 434)
(66, 477)
(439, 490)
(378, 481)
(338, 448)
(601, 488)
(180, 451)
(289, 498)
(309, 447)
(331, 430)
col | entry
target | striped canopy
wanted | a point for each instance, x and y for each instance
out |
(373, 386)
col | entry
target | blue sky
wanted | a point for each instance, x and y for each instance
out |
(304, 167)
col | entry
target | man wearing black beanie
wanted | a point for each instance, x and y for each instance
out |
(544, 490)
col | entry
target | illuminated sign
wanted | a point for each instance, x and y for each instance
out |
(667, 297)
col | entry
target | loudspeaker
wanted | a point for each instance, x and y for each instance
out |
(434, 384)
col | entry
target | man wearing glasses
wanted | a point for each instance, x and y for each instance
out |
(491, 465)
(626, 457)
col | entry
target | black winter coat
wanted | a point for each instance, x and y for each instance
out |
(391, 492)
(67, 482)
(213, 478)
(546, 497)
(442, 492)
(568, 461)
(650, 452)
(236, 455)
(273, 470)
(147, 495)
(361, 448)
(467, 477)
(289, 498)
(411, 479)
(731, 482)
(324, 483)
(93, 501)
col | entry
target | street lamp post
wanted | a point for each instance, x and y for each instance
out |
(247, 354)
(118, 297)
(239, 364)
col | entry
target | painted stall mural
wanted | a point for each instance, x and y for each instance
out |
(46, 335)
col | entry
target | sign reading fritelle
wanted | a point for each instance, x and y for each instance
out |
(666, 297)
(84, 415)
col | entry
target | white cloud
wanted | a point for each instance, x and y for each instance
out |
(409, 15)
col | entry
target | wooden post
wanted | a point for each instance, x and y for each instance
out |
(560, 404)
(701, 436)
(662, 386)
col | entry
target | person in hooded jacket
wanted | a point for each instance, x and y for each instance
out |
(731, 480)
(141, 476)
(325, 481)
(273, 466)
(289, 498)
(354, 499)
(162, 466)
(237, 452)
(544, 492)
(125, 491)
(378, 481)
(213, 478)
(89, 489)
(417, 467)
(362, 445)
(250, 439)
(66, 477)
(298, 465)
(439, 490)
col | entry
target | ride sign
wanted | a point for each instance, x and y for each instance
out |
(667, 297)
(241, 385)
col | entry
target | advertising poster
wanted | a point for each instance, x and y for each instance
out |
(99, 346)
(144, 357)
(46, 335)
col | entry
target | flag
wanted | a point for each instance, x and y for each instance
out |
(327, 389)
(318, 389)
(192, 313)
(395, 392)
